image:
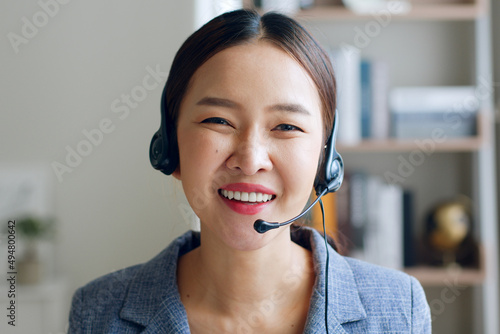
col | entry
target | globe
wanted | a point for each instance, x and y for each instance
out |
(448, 238)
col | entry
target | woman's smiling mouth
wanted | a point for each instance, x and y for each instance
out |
(245, 198)
(253, 197)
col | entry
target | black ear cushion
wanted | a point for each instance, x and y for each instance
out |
(336, 174)
(162, 155)
(163, 150)
(333, 173)
(156, 150)
(334, 165)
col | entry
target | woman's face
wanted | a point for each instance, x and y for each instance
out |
(250, 135)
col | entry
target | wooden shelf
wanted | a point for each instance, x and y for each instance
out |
(447, 12)
(469, 144)
(432, 276)
(439, 276)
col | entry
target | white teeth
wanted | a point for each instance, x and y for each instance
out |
(244, 197)
(252, 197)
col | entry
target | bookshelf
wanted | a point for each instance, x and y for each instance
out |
(398, 145)
(478, 151)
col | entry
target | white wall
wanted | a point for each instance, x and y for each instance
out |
(113, 210)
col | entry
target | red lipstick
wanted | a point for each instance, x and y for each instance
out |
(246, 208)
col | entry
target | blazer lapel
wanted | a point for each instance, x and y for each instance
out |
(315, 323)
(344, 304)
(168, 320)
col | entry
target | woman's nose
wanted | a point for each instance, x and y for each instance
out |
(250, 155)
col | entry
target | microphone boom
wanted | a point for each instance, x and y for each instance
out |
(263, 226)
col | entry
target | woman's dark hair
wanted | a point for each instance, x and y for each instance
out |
(244, 26)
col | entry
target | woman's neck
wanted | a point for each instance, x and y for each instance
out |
(267, 283)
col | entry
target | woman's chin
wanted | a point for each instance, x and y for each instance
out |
(242, 238)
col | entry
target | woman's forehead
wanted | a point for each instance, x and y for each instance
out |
(254, 68)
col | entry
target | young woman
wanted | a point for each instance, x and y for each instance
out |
(247, 111)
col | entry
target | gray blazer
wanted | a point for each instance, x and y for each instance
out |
(362, 298)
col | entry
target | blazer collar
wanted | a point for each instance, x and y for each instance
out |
(153, 299)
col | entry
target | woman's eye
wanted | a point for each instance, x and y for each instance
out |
(216, 120)
(287, 127)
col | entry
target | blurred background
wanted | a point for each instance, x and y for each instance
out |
(80, 85)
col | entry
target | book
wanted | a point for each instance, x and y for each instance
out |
(380, 120)
(390, 221)
(372, 247)
(435, 125)
(409, 239)
(383, 239)
(344, 231)
(357, 213)
(346, 64)
(366, 98)
(418, 112)
(433, 99)
(375, 220)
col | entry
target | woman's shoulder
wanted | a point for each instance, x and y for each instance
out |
(96, 305)
(384, 291)
(123, 293)
(368, 298)
(101, 289)
(368, 274)
(387, 284)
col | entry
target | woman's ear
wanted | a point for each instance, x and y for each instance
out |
(177, 173)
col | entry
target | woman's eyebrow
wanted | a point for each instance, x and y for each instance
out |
(220, 102)
(217, 102)
(291, 107)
